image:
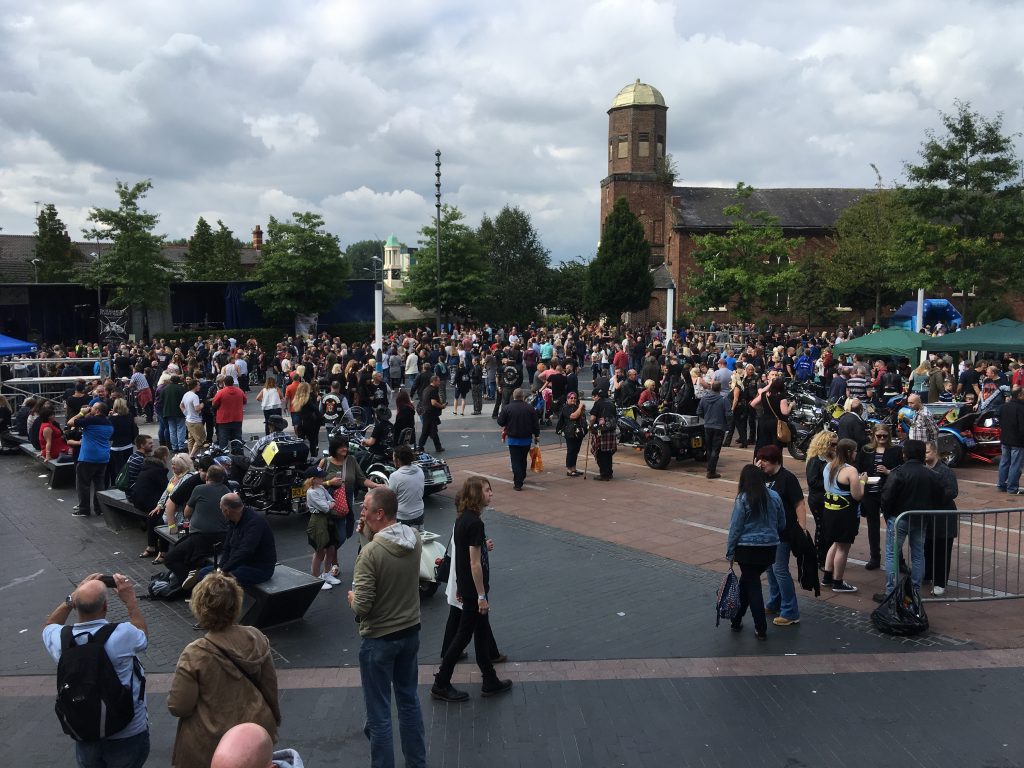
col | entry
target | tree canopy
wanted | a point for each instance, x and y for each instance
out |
(748, 267)
(881, 253)
(517, 265)
(619, 278)
(566, 289)
(133, 268)
(463, 270)
(301, 269)
(967, 187)
(360, 257)
(54, 250)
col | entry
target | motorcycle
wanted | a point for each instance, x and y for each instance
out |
(633, 427)
(267, 482)
(975, 435)
(430, 559)
(676, 436)
(436, 473)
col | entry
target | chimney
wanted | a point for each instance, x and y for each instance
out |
(257, 238)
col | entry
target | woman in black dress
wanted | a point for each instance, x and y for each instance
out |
(572, 425)
(405, 419)
(462, 386)
(772, 405)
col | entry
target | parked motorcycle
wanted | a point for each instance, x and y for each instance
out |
(273, 487)
(675, 436)
(976, 435)
(430, 559)
(436, 473)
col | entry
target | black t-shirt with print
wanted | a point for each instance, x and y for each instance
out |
(469, 532)
(788, 487)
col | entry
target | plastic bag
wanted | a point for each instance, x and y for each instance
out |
(902, 612)
(536, 462)
(727, 599)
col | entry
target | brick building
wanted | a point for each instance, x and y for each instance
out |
(672, 216)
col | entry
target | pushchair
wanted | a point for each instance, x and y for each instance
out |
(541, 402)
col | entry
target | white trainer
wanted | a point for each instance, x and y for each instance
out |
(331, 579)
(326, 585)
(938, 591)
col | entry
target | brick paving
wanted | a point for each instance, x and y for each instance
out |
(603, 600)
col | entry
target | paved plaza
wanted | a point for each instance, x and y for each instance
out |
(603, 600)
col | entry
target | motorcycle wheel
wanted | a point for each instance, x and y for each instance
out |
(954, 456)
(798, 449)
(657, 454)
(428, 588)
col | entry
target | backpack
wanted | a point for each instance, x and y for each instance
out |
(92, 702)
(441, 369)
(121, 483)
(891, 382)
(164, 585)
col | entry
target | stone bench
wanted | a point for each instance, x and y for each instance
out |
(62, 473)
(284, 598)
(118, 512)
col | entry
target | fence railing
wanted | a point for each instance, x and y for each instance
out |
(970, 554)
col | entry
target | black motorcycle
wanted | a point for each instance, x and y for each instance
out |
(436, 474)
(675, 436)
(808, 415)
(269, 481)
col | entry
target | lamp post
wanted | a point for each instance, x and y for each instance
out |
(437, 232)
(670, 307)
(378, 310)
(35, 267)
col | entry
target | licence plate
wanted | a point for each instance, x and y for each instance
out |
(297, 492)
(439, 477)
(970, 442)
(696, 442)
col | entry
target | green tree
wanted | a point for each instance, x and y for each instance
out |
(518, 265)
(301, 269)
(463, 270)
(360, 257)
(619, 278)
(200, 256)
(810, 298)
(566, 289)
(227, 251)
(748, 266)
(54, 251)
(967, 186)
(880, 253)
(133, 268)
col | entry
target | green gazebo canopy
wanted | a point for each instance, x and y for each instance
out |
(891, 341)
(1001, 336)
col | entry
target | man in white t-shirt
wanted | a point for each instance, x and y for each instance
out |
(192, 407)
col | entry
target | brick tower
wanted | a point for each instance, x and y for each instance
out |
(636, 158)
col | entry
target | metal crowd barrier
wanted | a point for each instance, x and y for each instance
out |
(985, 559)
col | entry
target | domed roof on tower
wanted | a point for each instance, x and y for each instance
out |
(638, 94)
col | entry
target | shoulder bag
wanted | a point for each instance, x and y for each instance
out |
(782, 433)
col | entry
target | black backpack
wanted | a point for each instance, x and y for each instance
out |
(164, 585)
(92, 702)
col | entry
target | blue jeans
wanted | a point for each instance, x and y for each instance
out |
(384, 664)
(410, 379)
(781, 592)
(113, 753)
(177, 433)
(894, 537)
(245, 575)
(1009, 468)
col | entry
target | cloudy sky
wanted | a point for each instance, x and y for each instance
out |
(240, 110)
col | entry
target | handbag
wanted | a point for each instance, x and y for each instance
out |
(443, 570)
(782, 433)
(727, 602)
(340, 497)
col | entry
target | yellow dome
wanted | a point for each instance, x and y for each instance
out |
(638, 94)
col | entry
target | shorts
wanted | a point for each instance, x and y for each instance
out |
(840, 526)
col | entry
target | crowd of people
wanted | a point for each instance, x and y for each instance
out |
(733, 378)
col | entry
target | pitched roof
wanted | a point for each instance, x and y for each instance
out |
(701, 207)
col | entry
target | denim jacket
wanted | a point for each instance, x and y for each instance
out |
(755, 530)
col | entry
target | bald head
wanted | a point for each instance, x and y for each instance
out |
(91, 600)
(245, 746)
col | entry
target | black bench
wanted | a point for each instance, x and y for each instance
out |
(11, 443)
(285, 597)
(62, 473)
(164, 532)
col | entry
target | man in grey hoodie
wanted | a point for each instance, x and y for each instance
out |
(385, 598)
(714, 409)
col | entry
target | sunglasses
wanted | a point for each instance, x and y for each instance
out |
(882, 434)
